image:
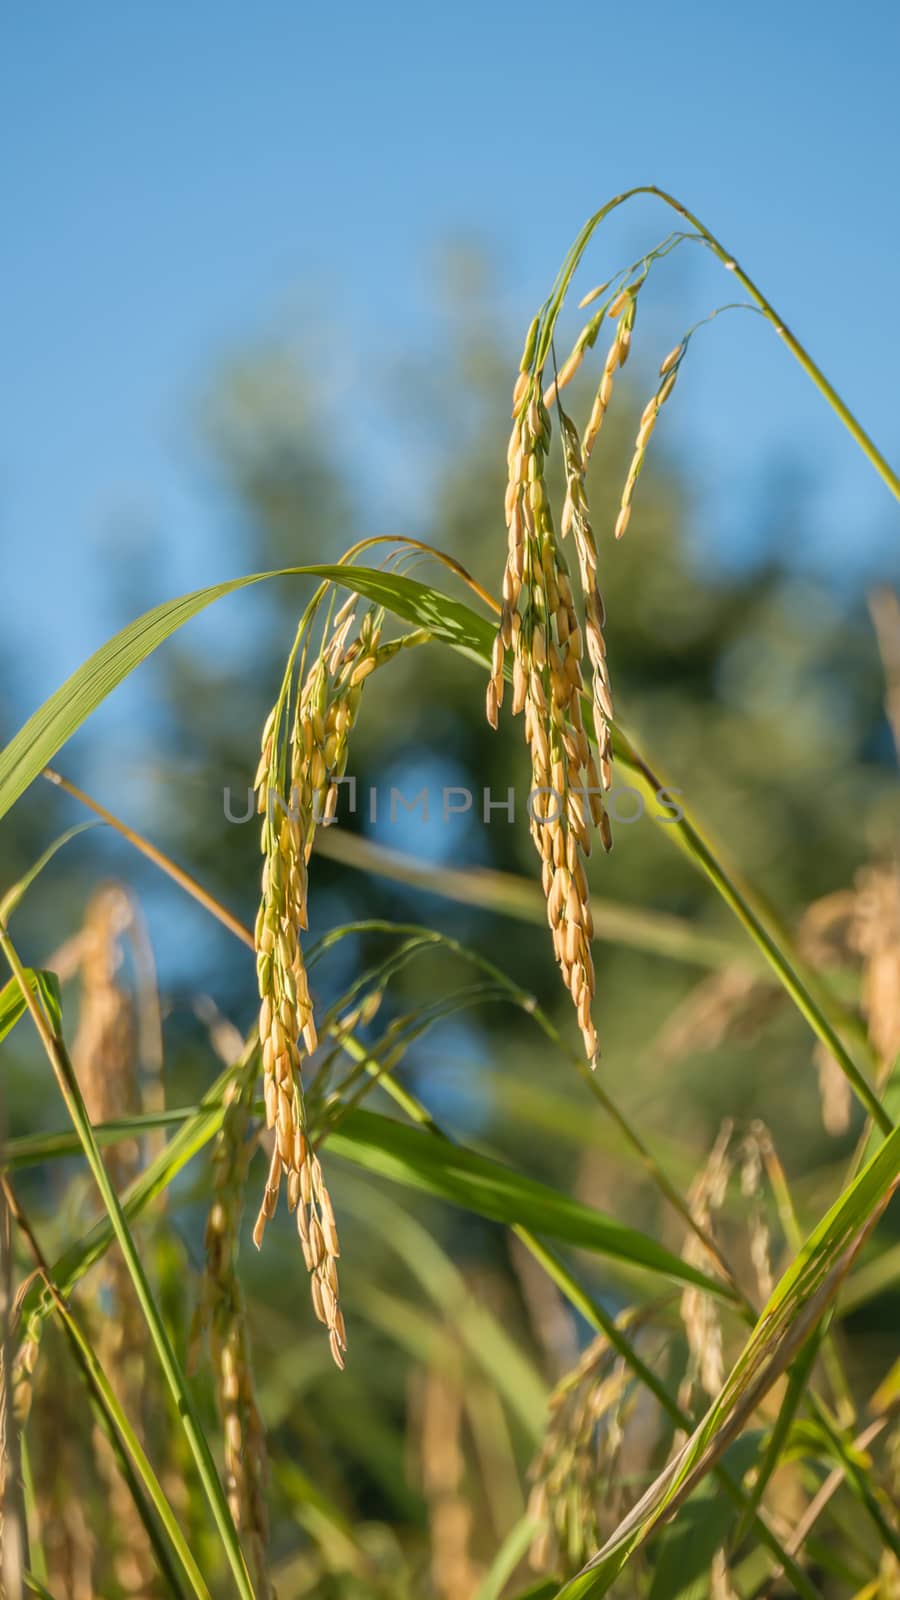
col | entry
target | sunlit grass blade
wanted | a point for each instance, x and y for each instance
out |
(31, 1149)
(705, 1523)
(44, 733)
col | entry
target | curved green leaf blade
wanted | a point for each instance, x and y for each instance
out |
(480, 1184)
(18, 890)
(69, 707)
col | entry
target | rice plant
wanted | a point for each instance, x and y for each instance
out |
(687, 1422)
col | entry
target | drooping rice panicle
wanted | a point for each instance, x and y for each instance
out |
(668, 372)
(539, 626)
(297, 788)
(624, 307)
(547, 686)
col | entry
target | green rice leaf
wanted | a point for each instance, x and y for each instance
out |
(482, 1185)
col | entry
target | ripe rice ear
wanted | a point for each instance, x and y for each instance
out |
(310, 761)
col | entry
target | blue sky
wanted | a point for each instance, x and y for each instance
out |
(176, 175)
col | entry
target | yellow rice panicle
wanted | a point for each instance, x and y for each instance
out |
(326, 708)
